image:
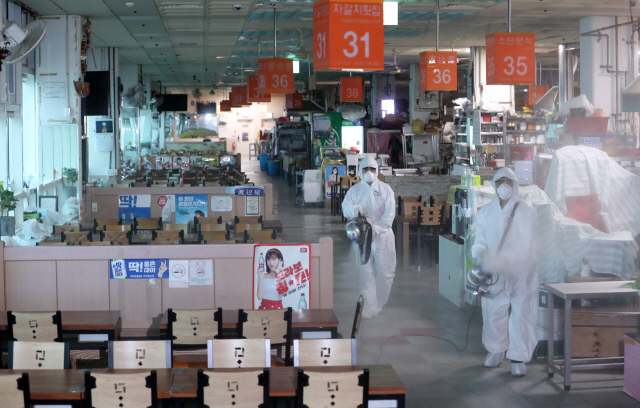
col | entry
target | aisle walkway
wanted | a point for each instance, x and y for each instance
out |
(420, 332)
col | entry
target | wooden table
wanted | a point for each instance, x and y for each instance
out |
(582, 290)
(65, 386)
(302, 320)
(272, 224)
(403, 223)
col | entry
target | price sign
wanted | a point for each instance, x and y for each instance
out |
(351, 89)
(293, 101)
(348, 34)
(225, 105)
(238, 96)
(253, 90)
(438, 71)
(275, 75)
(535, 93)
(511, 58)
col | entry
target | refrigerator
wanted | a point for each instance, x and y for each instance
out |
(353, 135)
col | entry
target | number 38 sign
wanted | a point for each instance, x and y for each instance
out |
(275, 75)
(348, 34)
(351, 89)
(438, 71)
(511, 59)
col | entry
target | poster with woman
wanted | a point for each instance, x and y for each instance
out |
(181, 162)
(332, 171)
(281, 276)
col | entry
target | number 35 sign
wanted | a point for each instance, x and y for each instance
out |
(348, 34)
(511, 58)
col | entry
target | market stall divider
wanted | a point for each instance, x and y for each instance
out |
(105, 201)
(78, 278)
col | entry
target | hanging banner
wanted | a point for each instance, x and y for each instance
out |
(439, 71)
(293, 101)
(225, 106)
(511, 58)
(253, 90)
(137, 206)
(535, 92)
(189, 206)
(348, 34)
(281, 276)
(275, 75)
(139, 268)
(351, 89)
(239, 96)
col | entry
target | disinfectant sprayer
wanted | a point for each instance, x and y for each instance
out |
(480, 279)
(359, 231)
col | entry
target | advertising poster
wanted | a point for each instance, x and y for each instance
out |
(221, 203)
(188, 206)
(180, 162)
(331, 173)
(178, 274)
(163, 162)
(281, 276)
(139, 268)
(201, 273)
(138, 206)
(166, 203)
(196, 161)
(252, 205)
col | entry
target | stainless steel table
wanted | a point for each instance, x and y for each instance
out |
(583, 290)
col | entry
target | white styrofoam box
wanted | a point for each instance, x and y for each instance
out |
(386, 170)
(313, 176)
(93, 337)
(524, 172)
(313, 192)
(316, 335)
(383, 404)
(499, 162)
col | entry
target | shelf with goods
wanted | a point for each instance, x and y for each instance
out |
(489, 129)
(464, 128)
(525, 136)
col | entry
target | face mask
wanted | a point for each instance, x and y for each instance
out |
(505, 191)
(369, 177)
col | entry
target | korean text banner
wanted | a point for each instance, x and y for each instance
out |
(139, 268)
(246, 191)
(137, 205)
(189, 206)
(281, 276)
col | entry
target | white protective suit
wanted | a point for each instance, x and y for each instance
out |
(517, 268)
(377, 201)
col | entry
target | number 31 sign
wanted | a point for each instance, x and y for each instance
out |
(511, 58)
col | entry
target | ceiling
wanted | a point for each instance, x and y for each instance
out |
(197, 43)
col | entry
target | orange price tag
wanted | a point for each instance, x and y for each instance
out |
(350, 89)
(439, 71)
(348, 34)
(238, 96)
(511, 58)
(275, 75)
(253, 90)
(225, 105)
(293, 101)
(535, 93)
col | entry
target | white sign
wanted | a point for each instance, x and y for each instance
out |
(252, 206)
(221, 203)
(178, 274)
(201, 273)
(54, 90)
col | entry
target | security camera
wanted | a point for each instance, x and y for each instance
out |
(128, 4)
(237, 7)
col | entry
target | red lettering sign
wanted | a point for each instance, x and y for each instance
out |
(438, 71)
(162, 201)
(275, 75)
(253, 90)
(348, 34)
(225, 106)
(535, 93)
(511, 58)
(351, 89)
(293, 101)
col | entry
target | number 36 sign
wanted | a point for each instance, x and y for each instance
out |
(511, 58)
(275, 76)
(348, 34)
(438, 71)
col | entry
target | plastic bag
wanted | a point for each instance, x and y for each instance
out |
(15, 241)
(71, 208)
(32, 229)
(352, 112)
(579, 101)
(416, 126)
(50, 217)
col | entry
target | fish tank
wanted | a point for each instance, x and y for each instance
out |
(197, 126)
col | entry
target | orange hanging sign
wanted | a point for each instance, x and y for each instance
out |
(293, 101)
(348, 34)
(238, 96)
(275, 75)
(535, 93)
(351, 89)
(225, 105)
(439, 71)
(253, 90)
(511, 58)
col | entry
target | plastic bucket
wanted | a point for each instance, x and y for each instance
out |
(274, 167)
(263, 161)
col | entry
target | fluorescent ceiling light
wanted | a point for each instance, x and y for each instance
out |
(390, 13)
(181, 6)
(185, 30)
(296, 67)
(464, 7)
(353, 70)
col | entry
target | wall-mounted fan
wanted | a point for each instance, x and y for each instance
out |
(135, 95)
(196, 93)
(155, 102)
(21, 41)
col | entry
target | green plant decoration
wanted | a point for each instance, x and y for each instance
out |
(70, 174)
(7, 200)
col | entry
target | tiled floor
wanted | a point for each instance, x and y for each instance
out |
(419, 332)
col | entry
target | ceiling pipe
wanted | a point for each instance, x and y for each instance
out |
(509, 13)
(437, 25)
(275, 31)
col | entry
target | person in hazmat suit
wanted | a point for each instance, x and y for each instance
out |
(505, 246)
(373, 198)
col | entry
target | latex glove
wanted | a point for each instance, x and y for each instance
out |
(359, 209)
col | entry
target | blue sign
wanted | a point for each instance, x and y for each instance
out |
(138, 206)
(250, 191)
(189, 206)
(139, 268)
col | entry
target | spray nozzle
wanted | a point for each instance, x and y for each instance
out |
(354, 239)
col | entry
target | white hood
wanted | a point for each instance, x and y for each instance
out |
(508, 173)
(368, 161)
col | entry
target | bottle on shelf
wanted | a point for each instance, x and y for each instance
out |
(261, 263)
(302, 304)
